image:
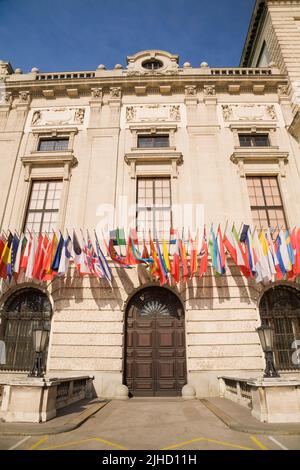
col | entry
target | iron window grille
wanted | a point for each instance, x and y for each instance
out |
(280, 308)
(50, 145)
(155, 141)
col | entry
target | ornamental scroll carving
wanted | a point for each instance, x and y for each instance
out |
(153, 113)
(58, 117)
(249, 112)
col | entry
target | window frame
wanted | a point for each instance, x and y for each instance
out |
(252, 136)
(153, 137)
(43, 210)
(153, 207)
(53, 139)
(266, 207)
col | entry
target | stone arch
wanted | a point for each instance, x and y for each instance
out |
(279, 306)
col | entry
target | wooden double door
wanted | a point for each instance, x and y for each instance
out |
(155, 359)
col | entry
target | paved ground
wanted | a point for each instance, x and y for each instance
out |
(152, 424)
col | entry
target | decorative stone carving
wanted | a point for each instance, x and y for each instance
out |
(249, 112)
(175, 112)
(190, 90)
(209, 90)
(36, 118)
(271, 111)
(227, 111)
(79, 115)
(24, 97)
(282, 90)
(130, 113)
(5, 68)
(153, 113)
(57, 117)
(6, 98)
(115, 92)
(96, 92)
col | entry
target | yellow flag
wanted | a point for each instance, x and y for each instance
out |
(166, 256)
(263, 242)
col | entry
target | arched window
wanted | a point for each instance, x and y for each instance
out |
(23, 312)
(280, 308)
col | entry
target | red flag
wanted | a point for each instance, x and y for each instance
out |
(175, 268)
(203, 255)
(193, 256)
(183, 257)
(157, 270)
(297, 257)
(41, 253)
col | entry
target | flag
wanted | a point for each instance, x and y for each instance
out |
(156, 267)
(166, 257)
(175, 269)
(57, 256)
(184, 262)
(65, 257)
(283, 253)
(2, 245)
(213, 250)
(85, 264)
(221, 253)
(93, 260)
(267, 254)
(161, 261)
(229, 243)
(21, 247)
(5, 256)
(242, 261)
(37, 256)
(173, 238)
(193, 256)
(25, 254)
(103, 262)
(12, 256)
(31, 256)
(203, 255)
(47, 274)
(77, 251)
(39, 262)
(297, 255)
(262, 268)
(120, 235)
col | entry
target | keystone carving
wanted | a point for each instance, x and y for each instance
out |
(282, 89)
(24, 97)
(96, 92)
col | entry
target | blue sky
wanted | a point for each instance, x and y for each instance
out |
(61, 35)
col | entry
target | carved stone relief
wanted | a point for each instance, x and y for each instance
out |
(249, 112)
(57, 117)
(153, 113)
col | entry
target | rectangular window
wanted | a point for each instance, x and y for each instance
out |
(48, 145)
(154, 206)
(266, 203)
(156, 141)
(254, 140)
(43, 207)
(264, 57)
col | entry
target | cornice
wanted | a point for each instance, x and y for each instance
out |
(253, 155)
(162, 155)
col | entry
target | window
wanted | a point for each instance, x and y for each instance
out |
(156, 141)
(48, 145)
(280, 308)
(43, 208)
(266, 203)
(264, 57)
(154, 206)
(152, 64)
(21, 314)
(254, 140)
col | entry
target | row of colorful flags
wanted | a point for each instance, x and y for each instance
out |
(256, 253)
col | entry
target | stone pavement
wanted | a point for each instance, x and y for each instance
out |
(154, 424)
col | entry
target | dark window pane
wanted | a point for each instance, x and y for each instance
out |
(46, 145)
(254, 140)
(145, 141)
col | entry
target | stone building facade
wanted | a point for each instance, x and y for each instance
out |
(95, 136)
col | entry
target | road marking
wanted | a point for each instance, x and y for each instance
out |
(75, 443)
(19, 443)
(278, 443)
(38, 443)
(258, 443)
(221, 443)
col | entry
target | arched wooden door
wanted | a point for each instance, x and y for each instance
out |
(155, 359)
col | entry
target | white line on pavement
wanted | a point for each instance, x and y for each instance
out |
(278, 443)
(19, 443)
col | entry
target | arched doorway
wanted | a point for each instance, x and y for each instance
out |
(155, 359)
(22, 312)
(280, 308)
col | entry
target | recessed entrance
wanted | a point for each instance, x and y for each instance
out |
(155, 362)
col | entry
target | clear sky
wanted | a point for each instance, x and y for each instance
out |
(61, 35)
